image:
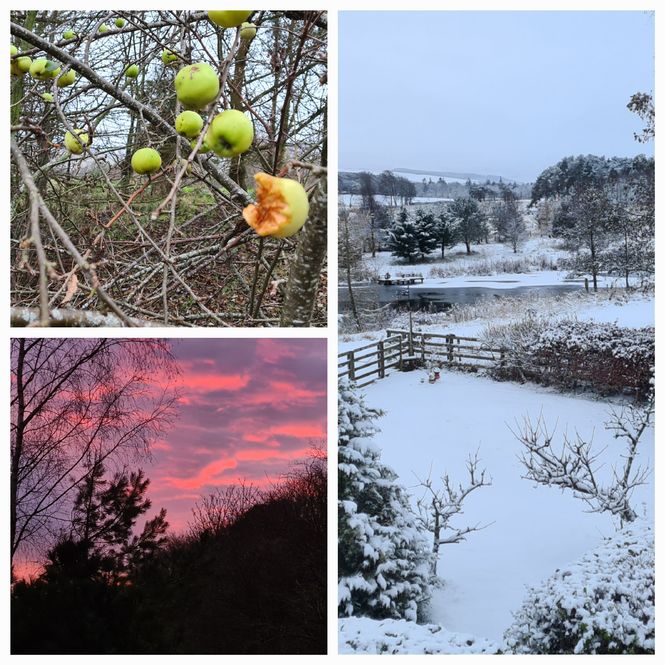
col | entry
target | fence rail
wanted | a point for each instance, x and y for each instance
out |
(370, 362)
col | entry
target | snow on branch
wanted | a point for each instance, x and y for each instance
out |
(575, 465)
(439, 505)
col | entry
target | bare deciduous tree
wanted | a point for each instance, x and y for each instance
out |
(438, 506)
(575, 466)
(75, 404)
(223, 507)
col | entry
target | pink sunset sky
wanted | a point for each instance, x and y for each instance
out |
(247, 409)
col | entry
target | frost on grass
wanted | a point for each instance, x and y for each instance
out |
(390, 636)
(603, 603)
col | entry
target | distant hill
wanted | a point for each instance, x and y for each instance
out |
(454, 183)
(452, 175)
(416, 175)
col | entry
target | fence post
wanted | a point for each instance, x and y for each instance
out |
(422, 347)
(382, 361)
(401, 354)
(449, 344)
(352, 370)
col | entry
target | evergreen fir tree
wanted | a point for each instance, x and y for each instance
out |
(426, 232)
(102, 539)
(403, 238)
(383, 555)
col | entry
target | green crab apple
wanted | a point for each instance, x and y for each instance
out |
(247, 31)
(146, 160)
(169, 56)
(103, 28)
(69, 34)
(73, 145)
(23, 62)
(43, 69)
(68, 78)
(132, 71)
(120, 23)
(196, 85)
(204, 146)
(47, 97)
(189, 124)
(281, 207)
(12, 50)
(230, 133)
(229, 19)
(19, 65)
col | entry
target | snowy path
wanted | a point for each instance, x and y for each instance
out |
(535, 530)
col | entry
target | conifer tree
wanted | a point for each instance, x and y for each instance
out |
(383, 554)
(403, 238)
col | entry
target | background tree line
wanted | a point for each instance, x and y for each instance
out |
(248, 577)
(604, 209)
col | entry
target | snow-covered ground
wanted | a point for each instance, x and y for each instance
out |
(536, 250)
(533, 530)
(636, 312)
(363, 635)
(354, 200)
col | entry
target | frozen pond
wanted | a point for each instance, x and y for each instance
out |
(441, 297)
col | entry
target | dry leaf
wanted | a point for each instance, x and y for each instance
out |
(72, 288)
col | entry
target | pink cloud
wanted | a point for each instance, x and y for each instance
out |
(208, 475)
(299, 430)
(272, 351)
(292, 391)
(263, 455)
(160, 444)
(205, 382)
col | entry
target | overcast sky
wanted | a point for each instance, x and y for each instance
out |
(501, 93)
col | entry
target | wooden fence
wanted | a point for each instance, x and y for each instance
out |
(366, 364)
(372, 360)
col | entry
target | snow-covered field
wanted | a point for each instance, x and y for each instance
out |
(534, 250)
(534, 530)
(354, 200)
(636, 312)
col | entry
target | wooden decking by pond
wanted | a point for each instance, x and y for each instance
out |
(401, 279)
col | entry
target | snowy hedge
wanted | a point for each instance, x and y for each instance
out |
(578, 354)
(604, 603)
(367, 636)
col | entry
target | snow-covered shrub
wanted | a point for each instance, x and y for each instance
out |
(390, 636)
(384, 556)
(604, 603)
(577, 354)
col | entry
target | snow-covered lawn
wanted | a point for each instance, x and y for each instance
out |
(534, 530)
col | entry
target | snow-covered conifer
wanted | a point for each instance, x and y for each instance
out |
(383, 554)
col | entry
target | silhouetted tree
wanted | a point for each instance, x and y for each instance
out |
(73, 400)
(84, 594)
